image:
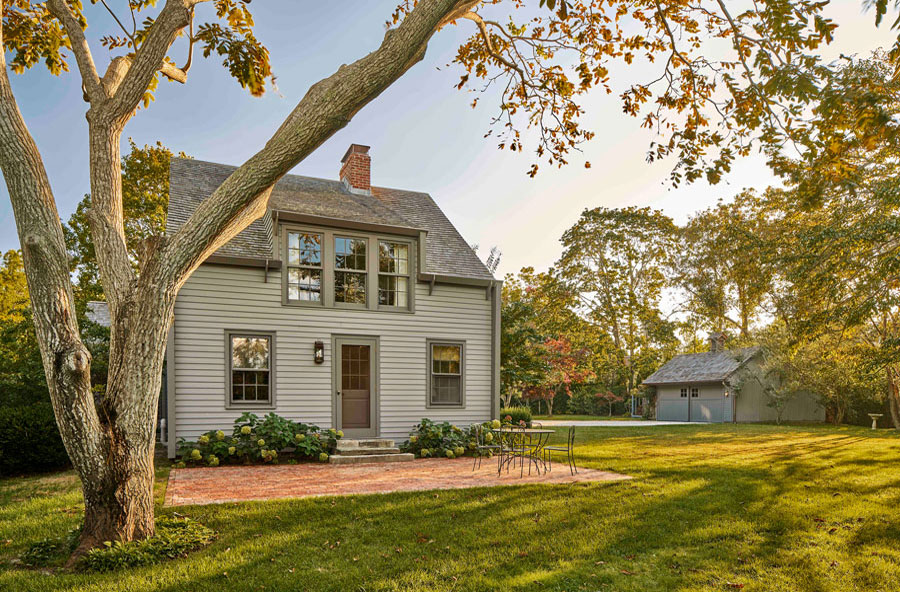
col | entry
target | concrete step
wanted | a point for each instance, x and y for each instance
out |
(367, 443)
(337, 459)
(352, 451)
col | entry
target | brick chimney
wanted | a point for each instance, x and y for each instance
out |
(356, 173)
(717, 342)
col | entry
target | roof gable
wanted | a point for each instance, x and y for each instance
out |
(447, 253)
(702, 367)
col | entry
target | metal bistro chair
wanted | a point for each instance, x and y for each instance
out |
(512, 447)
(481, 446)
(569, 449)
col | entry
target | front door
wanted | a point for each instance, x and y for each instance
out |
(356, 386)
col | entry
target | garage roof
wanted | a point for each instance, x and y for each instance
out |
(703, 367)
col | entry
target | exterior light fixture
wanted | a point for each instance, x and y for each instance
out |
(319, 352)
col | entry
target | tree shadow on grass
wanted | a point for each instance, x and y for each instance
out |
(767, 521)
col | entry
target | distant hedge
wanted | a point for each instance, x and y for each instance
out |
(29, 440)
(516, 415)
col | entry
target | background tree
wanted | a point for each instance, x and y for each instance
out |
(564, 366)
(615, 262)
(723, 265)
(709, 104)
(839, 260)
(22, 379)
(609, 398)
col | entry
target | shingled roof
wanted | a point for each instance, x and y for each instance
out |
(447, 253)
(703, 367)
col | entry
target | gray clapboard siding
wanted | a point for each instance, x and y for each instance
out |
(219, 297)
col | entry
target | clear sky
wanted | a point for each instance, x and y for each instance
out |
(423, 133)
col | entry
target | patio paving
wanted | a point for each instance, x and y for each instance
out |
(245, 483)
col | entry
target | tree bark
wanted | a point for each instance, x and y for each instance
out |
(893, 397)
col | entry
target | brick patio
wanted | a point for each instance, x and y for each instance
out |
(234, 484)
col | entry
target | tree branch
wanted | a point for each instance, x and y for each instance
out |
(327, 107)
(150, 57)
(80, 48)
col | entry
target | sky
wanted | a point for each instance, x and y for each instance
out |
(423, 133)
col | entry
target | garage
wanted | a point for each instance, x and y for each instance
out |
(713, 387)
(694, 387)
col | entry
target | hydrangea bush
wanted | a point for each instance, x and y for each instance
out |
(260, 440)
(432, 439)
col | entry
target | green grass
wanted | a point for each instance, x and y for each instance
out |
(793, 508)
(567, 417)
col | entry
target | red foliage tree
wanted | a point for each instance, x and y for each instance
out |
(564, 366)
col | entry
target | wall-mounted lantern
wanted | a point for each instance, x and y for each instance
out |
(319, 353)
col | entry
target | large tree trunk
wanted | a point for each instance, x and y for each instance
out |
(119, 497)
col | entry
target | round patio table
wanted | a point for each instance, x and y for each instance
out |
(532, 450)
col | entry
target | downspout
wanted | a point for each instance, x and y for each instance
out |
(172, 448)
(495, 349)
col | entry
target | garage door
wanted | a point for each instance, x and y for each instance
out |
(672, 410)
(710, 410)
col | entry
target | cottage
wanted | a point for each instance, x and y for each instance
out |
(346, 305)
(704, 388)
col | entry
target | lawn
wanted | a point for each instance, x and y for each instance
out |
(567, 417)
(724, 507)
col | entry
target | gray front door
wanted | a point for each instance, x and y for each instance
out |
(355, 360)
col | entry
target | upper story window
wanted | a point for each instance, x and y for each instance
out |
(695, 392)
(350, 270)
(324, 267)
(304, 266)
(684, 392)
(393, 274)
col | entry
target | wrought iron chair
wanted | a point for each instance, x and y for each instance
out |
(513, 446)
(482, 446)
(569, 449)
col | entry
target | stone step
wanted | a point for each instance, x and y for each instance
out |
(337, 459)
(364, 451)
(367, 443)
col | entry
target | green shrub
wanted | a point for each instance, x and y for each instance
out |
(431, 439)
(516, 415)
(29, 440)
(254, 439)
(174, 537)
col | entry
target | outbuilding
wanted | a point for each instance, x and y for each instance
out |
(703, 387)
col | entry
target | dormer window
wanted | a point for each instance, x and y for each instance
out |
(335, 268)
(304, 266)
(393, 274)
(350, 270)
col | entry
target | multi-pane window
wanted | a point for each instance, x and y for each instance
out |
(695, 392)
(446, 360)
(350, 270)
(250, 358)
(684, 392)
(393, 274)
(304, 263)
